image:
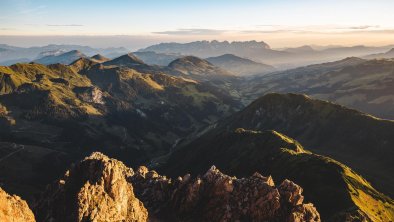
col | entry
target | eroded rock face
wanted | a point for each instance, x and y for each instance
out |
(104, 189)
(218, 197)
(292, 199)
(93, 190)
(14, 209)
(90, 94)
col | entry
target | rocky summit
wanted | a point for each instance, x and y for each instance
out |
(14, 209)
(103, 189)
(93, 190)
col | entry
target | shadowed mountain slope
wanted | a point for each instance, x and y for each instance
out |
(361, 141)
(337, 191)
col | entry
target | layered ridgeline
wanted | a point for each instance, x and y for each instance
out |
(365, 85)
(241, 145)
(65, 58)
(203, 71)
(61, 112)
(194, 66)
(262, 52)
(386, 55)
(69, 57)
(102, 189)
(11, 54)
(161, 59)
(240, 66)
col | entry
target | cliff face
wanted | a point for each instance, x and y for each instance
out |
(14, 209)
(103, 189)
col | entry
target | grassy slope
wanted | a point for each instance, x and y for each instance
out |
(44, 80)
(334, 188)
(361, 141)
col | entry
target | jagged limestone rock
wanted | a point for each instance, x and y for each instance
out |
(14, 209)
(93, 190)
(218, 197)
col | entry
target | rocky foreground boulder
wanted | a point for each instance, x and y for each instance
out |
(104, 189)
(14, 209)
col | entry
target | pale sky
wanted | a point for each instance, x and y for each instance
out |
(133, 24)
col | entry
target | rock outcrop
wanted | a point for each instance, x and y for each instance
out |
(14, 209)
(218, 197)
(102, 189)
(93, 190)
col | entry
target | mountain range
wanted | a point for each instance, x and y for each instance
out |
(263, 53)
(357, 83)
(386, 55)
(223, 137)
(64, 58)
(62, 112)
(164, 53)
(10, 54)
(232, 63)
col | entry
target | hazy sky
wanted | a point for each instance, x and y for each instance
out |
(134, 24)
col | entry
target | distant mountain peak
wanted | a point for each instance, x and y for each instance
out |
(209, 48)
(99, 58)
(65, 58)
(83, 63)
(192, 65)
(190, 59)
(240, 66)
(229, 56)
(125, 60)
(133, 57)
(301, 49)
(352, 58)
(385, 55)
(391, 51)
(73, 52)
(348, 61)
